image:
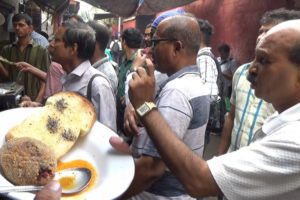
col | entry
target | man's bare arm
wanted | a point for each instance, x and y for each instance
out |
(227, 131)
(40, 96)
(4, 76)
(147, 170)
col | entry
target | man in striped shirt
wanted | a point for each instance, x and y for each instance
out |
(247, 112)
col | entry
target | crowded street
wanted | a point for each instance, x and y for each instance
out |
(149, 99)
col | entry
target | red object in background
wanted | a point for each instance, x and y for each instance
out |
(236, 22)
(131, 23)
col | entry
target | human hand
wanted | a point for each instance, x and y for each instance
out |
(52, 191)
(139, 60)
(30, 104)
(119, 144)
(24, 66)
(130, 121)
(142, 85)
(25, 98)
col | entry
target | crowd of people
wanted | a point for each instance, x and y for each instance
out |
(167, 95)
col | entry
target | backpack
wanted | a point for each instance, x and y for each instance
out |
(115, 47)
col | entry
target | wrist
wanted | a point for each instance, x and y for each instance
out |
(145, 108)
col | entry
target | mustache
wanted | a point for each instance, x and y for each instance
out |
(251, 77)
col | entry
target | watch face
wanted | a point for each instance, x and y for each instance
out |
(143, 109)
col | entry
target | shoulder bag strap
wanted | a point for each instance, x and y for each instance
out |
(89, 87)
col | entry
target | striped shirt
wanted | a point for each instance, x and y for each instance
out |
(250, 111)
(33, 54)
(208, 70)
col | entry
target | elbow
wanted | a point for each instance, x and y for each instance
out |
(193, 189)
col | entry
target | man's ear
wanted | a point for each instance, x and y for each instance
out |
(178, 45)
(31, 28)
(74, 49)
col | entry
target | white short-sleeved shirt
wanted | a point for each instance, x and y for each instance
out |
(269, 168)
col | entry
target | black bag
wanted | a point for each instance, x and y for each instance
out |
(216, 116)
(115, 47)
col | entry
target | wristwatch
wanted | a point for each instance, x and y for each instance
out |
(145, 108)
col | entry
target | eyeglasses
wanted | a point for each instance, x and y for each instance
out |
(155, 42)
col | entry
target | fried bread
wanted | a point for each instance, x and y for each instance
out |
(65, 116)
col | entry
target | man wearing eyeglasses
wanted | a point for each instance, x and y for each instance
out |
(174, 48)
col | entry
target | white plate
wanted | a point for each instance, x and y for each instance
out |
(114, 171)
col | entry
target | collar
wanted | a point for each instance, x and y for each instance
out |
(100, 62)
(192, 69)
(82, 68)
(277, 120)
(204, 49)
(16, 43)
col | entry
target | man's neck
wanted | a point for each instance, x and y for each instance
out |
(69, 67)
(202, 45)
(98, 55)
(129, 53)
(23, 41)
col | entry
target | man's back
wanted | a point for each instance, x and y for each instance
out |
(105, 66)
(102, 95)
(208, 70)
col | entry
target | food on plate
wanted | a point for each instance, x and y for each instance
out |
(65, 116)
(68, 182)
(26, 161)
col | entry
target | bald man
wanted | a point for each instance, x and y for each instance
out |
(185, 108)
(267, 169)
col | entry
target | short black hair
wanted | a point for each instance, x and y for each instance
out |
(82, 35)
(102, 33)
(132, 37)
(224, 48)
(207, 29)
(22, 16)
(279, 15)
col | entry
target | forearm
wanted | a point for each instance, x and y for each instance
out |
(147, 170)
(179, 158)
(40, 96)
(227, 131)
(38, 73)
(4, 76)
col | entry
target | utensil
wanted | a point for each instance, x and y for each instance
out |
(72, 181)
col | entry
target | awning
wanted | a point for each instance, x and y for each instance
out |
(123, 8)
(53, 5)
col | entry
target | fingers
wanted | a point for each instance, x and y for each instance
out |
(25, 98)
(130, 121)
(140, 54)
(130, 126)
(150, 67)
(119, 144)
(52, 191)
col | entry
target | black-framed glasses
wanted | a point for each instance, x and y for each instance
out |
(155, 42)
